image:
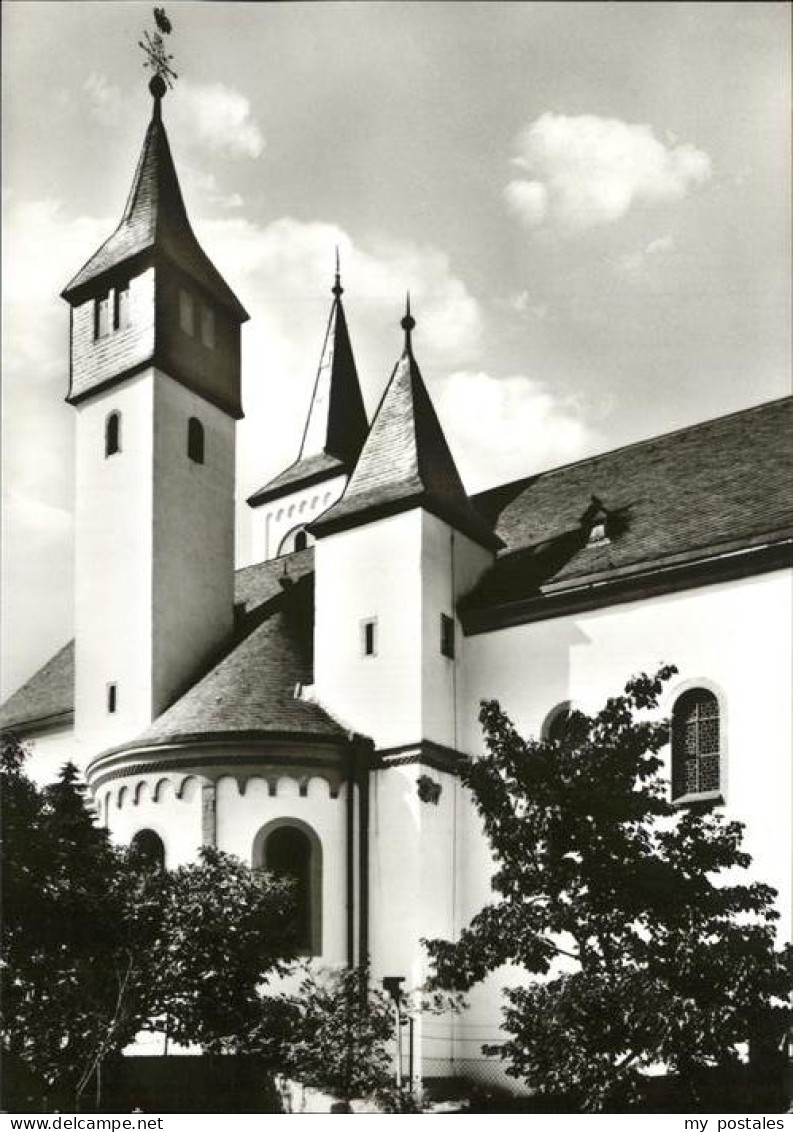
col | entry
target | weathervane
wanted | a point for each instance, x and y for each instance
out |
(157, 58)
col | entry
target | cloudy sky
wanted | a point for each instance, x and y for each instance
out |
(588, 202)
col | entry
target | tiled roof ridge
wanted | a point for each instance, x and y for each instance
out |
(631, 444)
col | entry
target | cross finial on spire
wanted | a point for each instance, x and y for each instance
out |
(407, 324)
(158, 59)
(337, 288)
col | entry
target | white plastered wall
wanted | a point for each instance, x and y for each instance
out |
(193, 540)
(113, 565)
(50, 751)
(154, 536)
(733, 637)
(373, 571)
(271, 522)
(167, 803)
(240, 817)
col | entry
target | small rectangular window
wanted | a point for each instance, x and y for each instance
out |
(112, 698)
(208, 327)
(102, 316)
(121, 308)
(447, 635)
(369, 637)
(186, 317)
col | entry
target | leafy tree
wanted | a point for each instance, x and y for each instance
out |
(224, 931)
(645, 945)
(98, 945)
(336, 1034)
(340, 1035)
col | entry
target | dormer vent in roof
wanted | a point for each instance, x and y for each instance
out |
(595, 521)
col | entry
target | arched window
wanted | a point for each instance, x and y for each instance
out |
(289, 848)
(695, 744)
(113, 434)
(297, 538)
(149, 849)
(556, 721)
(195, 440)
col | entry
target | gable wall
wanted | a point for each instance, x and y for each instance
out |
(270, 522)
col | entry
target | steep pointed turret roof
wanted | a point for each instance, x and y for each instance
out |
(154, 222)
(406, 461)
(336, 425)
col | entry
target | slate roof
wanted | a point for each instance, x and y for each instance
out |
(47, 695)
(154, 221)
(405, 462)
(303, 473)
(336, 425)
(248, 691)
(702, 490)
(251, 691)
(705, 490)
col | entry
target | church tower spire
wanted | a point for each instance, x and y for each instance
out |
(336, 424)
(333, 436)
(155, 384)
(406, 461)
(155, 233)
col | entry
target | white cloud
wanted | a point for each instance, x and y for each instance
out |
(37, 567)
(217, 118)
(104, 99)
(587, 171)
(208, 118)
(43, 248)
(198, 184)
(521, 302)
(635, 263)
(662, 244)
(501, 429)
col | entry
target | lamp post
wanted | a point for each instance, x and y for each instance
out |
(391, 985)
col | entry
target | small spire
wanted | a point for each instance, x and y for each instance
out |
(407, 324)
(337, 288)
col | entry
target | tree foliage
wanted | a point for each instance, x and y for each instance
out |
(340, 1036)
(99, 945)
(645, 943)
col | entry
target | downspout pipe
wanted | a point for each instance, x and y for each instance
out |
(364, 753)
(350, 861)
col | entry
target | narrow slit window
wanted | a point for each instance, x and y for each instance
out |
(113, 434)
(369, 637)
(102, 316)
(195, 440)
(447, 636)
(186, 313)
(112, 699)
(121, 308)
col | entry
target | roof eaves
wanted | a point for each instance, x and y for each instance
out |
(598, 590)
(277, 487)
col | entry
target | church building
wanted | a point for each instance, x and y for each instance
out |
(309, 712)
